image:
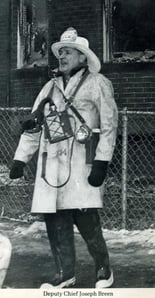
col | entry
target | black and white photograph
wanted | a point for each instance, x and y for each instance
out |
(77, 148)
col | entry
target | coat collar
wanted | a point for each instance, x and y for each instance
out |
(69, 88)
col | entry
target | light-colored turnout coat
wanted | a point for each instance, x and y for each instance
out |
(94, 100)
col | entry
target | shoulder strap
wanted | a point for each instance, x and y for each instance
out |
(83, 78)
(70, 100)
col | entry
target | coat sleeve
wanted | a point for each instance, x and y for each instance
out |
(29, 142)
(108, 119)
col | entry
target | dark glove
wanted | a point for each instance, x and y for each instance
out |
(37, 117)
(28, 124)
(17, 169)
(98, 172)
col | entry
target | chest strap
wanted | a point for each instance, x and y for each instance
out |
(69, 101)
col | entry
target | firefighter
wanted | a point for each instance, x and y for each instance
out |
(75, 102)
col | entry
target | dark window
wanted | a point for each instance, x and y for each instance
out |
(32, 33)
(133, 29)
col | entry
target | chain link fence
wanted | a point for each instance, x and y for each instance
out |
(129, 196)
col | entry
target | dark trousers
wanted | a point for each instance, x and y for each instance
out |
(61, 237)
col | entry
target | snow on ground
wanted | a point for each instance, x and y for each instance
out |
(145, 238)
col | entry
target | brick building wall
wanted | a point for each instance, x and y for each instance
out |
(4, 51)
(26, 84)
(13, 34)
(134, 84)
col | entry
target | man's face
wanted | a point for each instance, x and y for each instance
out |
(69, 59)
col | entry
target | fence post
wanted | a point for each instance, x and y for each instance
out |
(124, 165)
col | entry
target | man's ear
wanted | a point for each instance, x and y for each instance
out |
(83, 58)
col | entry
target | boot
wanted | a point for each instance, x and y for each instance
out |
(104, 278)
(59, 283)
(88, 223)
(60, 232)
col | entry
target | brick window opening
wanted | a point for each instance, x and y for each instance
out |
(133, 30)
(32, 34)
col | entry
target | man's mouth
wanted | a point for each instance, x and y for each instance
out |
(63, 63)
